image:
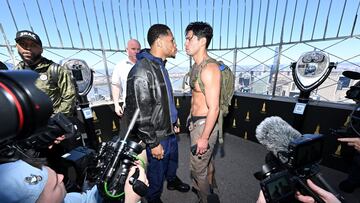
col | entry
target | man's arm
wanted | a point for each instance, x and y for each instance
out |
(67, 92)
(115, 90)
(355, 142)
(148, 107)
(211, 77)
(140, 92)
(323, 194)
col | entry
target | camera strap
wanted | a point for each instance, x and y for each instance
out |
(54, 73)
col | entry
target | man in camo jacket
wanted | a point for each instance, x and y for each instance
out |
(54, 80)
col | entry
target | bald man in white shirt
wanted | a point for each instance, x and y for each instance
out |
(120, 73)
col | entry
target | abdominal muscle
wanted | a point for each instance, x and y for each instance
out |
(198, 102)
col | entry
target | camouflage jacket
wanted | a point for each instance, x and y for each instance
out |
(61, 92)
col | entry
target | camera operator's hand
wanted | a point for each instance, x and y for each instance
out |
(130, 195)
(118, 109)
(57, 140)
(323, 194)
(261, 198)
(355, 142)
(158, 152)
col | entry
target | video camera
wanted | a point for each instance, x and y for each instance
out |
(352, 129)
(279, 179)
(113, 163)
(26, 127)
(25, 116)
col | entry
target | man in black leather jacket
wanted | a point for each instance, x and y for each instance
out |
(149, 89)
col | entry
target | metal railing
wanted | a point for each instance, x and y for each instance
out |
(257, 38)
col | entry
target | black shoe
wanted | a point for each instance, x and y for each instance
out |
(177, 184)
(347, 186)
(213, 198)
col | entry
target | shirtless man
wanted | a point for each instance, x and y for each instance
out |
(205, 82)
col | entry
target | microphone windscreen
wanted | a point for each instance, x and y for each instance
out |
(276, 134)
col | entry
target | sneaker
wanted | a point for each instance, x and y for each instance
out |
(348, 186)
(177, 184)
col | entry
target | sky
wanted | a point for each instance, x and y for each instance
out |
(236, 23)
(93, 25)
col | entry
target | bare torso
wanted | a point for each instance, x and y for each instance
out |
(198, 102)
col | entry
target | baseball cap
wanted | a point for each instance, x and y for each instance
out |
(21, 182)
(26, 34)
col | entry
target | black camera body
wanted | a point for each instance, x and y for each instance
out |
(343, 132)
(27, 127)
(25, 117)
(305, 151)
(112, 166)
(278, 187)
(279, 181)
(353, 92)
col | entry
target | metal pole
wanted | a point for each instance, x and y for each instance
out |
(107, 72)
(277, 69)
(7, 45)
(234, 67)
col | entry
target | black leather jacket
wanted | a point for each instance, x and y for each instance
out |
(146, 90)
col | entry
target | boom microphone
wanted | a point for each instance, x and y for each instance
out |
(276, 134)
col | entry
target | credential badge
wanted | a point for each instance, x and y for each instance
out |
(43, 77)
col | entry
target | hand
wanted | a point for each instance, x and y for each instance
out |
(130, 195)
(202, 146)
(261, 198)
(119, 110)
(158, 152)
(57, 140)
(323, 194)
(355, 142)
(176, 129)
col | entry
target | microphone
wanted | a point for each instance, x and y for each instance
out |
(276, 134)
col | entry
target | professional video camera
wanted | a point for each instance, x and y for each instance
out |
(26, 127)
(113, 163)
(25, 120)
(293, 159)
(352, 129)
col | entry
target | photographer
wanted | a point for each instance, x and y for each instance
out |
(25, 129)
(326, 196)
(353, 180)
(26, 183)
(352, 135)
